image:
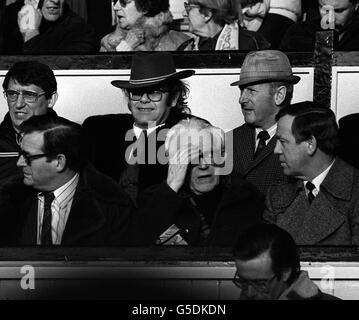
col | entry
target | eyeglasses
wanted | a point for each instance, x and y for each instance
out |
(154, 96)
(123, 3)
(188, 6)
(261, 285)
(28, 96)
(30, 157)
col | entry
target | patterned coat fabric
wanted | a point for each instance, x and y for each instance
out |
(263, 171)
(333, 216)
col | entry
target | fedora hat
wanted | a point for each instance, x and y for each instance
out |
(265, 66)
(149, 69)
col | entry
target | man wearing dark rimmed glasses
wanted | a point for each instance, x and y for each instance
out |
(62, 200)
(268, 267)
(125, 146)
(30, 88)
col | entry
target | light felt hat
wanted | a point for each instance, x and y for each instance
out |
(149, 69)
(265, 66)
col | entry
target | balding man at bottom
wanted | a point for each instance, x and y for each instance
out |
(62, 200)
(321, 205)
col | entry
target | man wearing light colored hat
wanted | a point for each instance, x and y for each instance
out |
(157, 100)
(266, 84)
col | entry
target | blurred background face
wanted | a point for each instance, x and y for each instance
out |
(196, 20)
(52, 9)
(127, 13)
(343, 10)
(20, 110)
(203, 178)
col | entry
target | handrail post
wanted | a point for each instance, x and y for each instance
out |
(325, 42)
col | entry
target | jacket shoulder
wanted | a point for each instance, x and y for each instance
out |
(108, 120)
(250, 40)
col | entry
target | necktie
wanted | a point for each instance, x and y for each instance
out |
(143, 140)
(310, 187)
(46, 238)
(263, 136)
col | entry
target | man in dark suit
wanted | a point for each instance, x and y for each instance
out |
(127, 147)
(266, 84)
(321, 205)
(62, 200)
(30, 88)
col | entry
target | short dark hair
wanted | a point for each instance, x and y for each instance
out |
(279, 243)
(61, 136)
(152, 7)
(32, 72)
(313, 120)
(223, 11)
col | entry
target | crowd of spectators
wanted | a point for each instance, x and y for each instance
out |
(52, 26)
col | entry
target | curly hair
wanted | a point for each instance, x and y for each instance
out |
(152, 7)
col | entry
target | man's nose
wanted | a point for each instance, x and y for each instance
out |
(145, 98)
(21, 162)
(242, 96)
(202, 164)
(278, 148)
(20, 102)
(184, 13)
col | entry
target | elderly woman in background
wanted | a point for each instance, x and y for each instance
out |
(142, 25)
(214, 24)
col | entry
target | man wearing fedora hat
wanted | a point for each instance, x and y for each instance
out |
(127, 147)
(266, 84)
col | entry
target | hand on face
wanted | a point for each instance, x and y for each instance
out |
(29, 18)
(178, 164)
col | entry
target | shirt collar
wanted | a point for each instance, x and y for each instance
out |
(138, 130)
(317, 181)
(271, 131)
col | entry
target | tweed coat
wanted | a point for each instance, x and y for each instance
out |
(333, 216)
(100, 213)
(263, 171)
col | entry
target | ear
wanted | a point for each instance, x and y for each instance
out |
(207, 15)
(311, 145)
(53, 99)
(280, 94)
(60, 162)
(286, 274)
(174, 100)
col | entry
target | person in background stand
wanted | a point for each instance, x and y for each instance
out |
(30, 88)
(143, 25)
(46, 26)
(125, 146)
(266, 85)
(215, 26)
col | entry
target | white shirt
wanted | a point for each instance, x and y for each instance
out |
(60, 209)
(271, 131)
(138, 130)
(317, 181)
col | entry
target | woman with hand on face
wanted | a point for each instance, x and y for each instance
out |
(214, 25)
(142, 25)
